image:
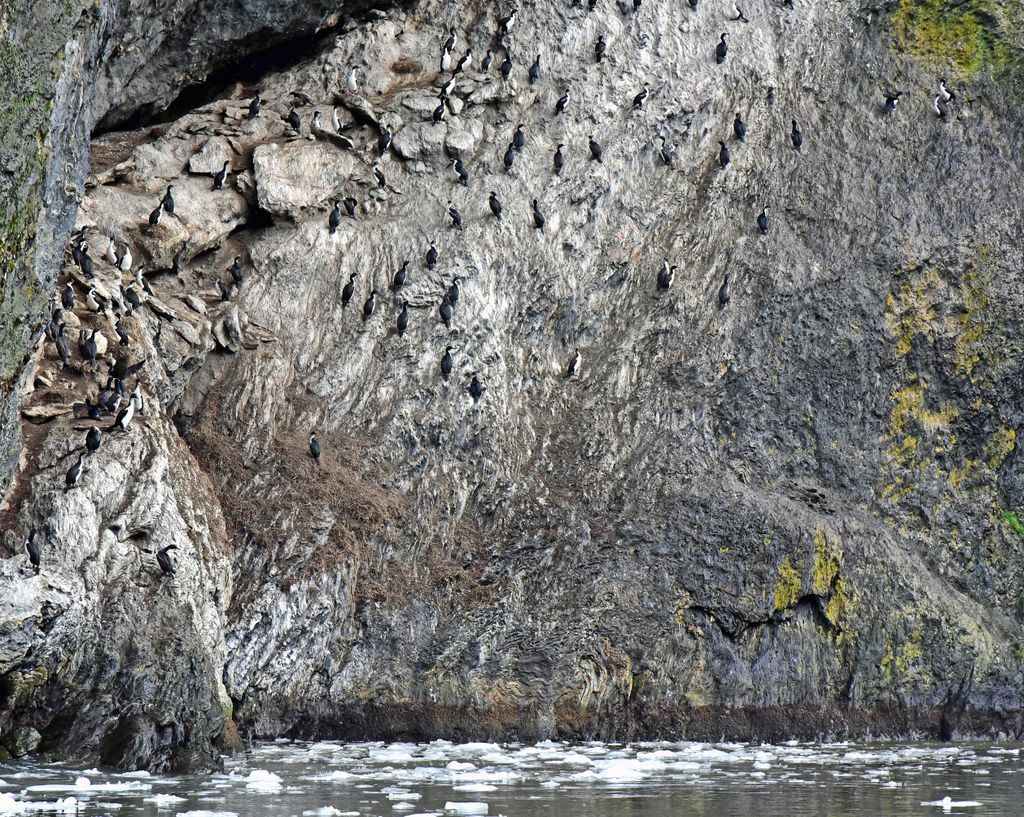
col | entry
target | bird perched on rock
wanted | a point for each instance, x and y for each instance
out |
(86, 259)
(739, 128)
(519, 138)
(485, 63)
(891, 101)
(563, 100)
(797, 137)
(446, 60)
(437, 117)
(254, 106)
(723, 154)
(666, 275)
(350, 206)
(221, 177)
(348, 290)
(163, 559)
(383, 141)
(475, 389)
(431, 256)
(465, 61)
(939, 107)
(368, 305)
(723, 293)
(534, 73)
(947, 95)
(399, 278)
(506, 23)
(352, 81)
(378, 174)
(74, 472)
(574, 366)
(599, 48)
(446, 363)
(461, 171)
(32, 550)
(293, 120)
(92, 440)
(595, 150)
(721, 50)
(314, 448)
(236, 271)
(168, 201)
(403, 318)
(453, 291)
(445, 310)
(449, 44)
(67, 297)
(154, 216)
(510, 157)
(762, 221)
(455, 216)
(640, 98)
(495, 205)
(559, 160)
(538, 218)
(124, 263)
(666, 152)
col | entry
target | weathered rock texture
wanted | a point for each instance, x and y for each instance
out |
(792, 516)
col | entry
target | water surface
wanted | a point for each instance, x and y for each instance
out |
(557, 779)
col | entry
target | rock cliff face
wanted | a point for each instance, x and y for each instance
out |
(790, 514)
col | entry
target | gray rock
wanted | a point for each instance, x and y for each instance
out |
(23, 740)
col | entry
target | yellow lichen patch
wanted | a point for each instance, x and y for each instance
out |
(909, 405)
(911, 310)
(827, 556)
(787, 586)
(682, 605)
(898, 662)
(836, 607)
(999, 446)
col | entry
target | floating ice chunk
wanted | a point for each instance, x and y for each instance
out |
(262, 780)
(498, 758)
(460, 766)
(164, 800)
(403, 806)
(140, 773)
(947, 803)
(474, 787)
(550, 784)
(323, 811)
(622, 771)
(480, 748)
(64, 805)
(82, 783)
(575, 758)
(337, 776)
(404, 795)
(465, 808)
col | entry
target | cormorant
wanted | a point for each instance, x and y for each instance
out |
(723, 154)
(403, 318)
(796, 136)
(534, 74)
(666, 275)
(347, 290)
(169, 200)
(475, 389)
(154, 216)
(454, 292)
(510, 157)
(456, 218)
(460, 169)
(314, 448)
(495, 204)
(506, 66)
(254, 106)
(723, 293)
(74, 472)
(890, 102)
(431, 256)
(32, 549)
(221, 177)
(445, 311)
(163, 559)
(350, 206)
(595, 150)
(446, 363)
(739, 128)
(721, 50)
(762, 221)
(559, 160)
(599, 48)
(67, 297)
(640, 98)
(368, 305)
(400, 274)
(563, 100)
(538, 218)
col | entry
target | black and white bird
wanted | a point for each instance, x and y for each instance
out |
(455, 216)
(575, 365)
(460, 169)
(595, 150)
(510, 157)
(723, 154)
(334, 221)
(95, 301)
(640, 98)
(563, 100)
(666, 275)
(431, 256)
(122, 335)
(92, 439)
(599, 48)
(475, 389)
(350, 206)
(86, 259)
(352, 82)
(437, 117)
(666, 153)
(316, 126)
(383, 141)
(124, 263)
(796, 136)
(449, 44)
(506, 23)
(559, 160)
(538, 218)
(236, 271)
(939, 107)
(762, 221)
(378, 174)
(723, 293)
(398, 281)
(254, 106)
(494, 204)
(314, 448)
(446, 363)
(163, 560)
(111, 253)
(335, 120)
(403, 318)
(465, 62)
(947, 95)
(67, 297)
(446, 61)
(739, 128)
(506, 66)
(74, 472)
(221, 177)
(721, 50)
(89, 348)
(154, 216)
(891, 100)
(369, 304)
(454, 293)
(32, 550)
(125, 416)
(485, 63)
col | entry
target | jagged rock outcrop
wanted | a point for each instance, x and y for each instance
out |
(792, 514)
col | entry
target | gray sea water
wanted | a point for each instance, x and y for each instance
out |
(443, 779)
